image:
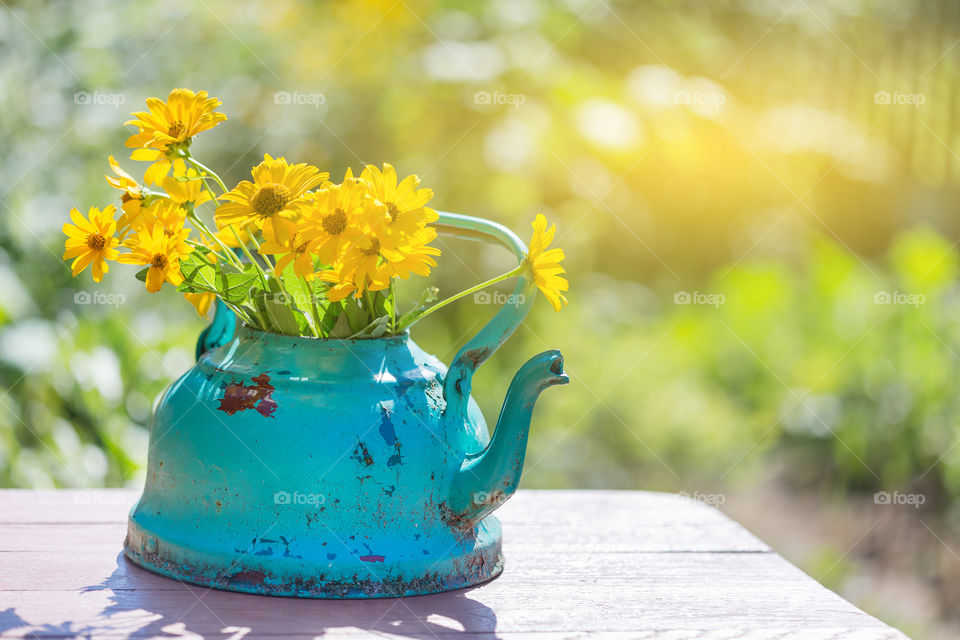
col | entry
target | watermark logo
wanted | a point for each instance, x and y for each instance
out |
(301, 300)
(710, 499)
(492, 498)
(299, 98)
(98, 498)
(499, 298)
(912, 499)
(297, 498)
(498, 98)
(715, 100)
(99, 98)
(898, 297)
(98, 297)
(697, 297)
(899, 98)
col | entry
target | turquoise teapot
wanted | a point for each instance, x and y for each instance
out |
(297, 466)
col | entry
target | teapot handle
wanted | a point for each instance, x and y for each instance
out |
(457, 384)
(221, 330)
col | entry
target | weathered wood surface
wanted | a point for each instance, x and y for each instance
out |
(578, 564)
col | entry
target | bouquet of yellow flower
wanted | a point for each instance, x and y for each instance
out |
(293, 252)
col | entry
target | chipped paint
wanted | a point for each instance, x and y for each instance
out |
(476, 565)
(361, 454)
(259, 396)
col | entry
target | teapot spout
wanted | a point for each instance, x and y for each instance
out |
(487, 478)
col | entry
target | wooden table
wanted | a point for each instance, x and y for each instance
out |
(578, 564)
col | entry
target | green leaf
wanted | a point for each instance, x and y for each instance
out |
(355, 315)
(303, 296)
(234, 285)
(304, 321)
(381, 305)
(198, 275)
(380, 326)
(330, 319)
(275, 310)
(142, 274)
(341, 327)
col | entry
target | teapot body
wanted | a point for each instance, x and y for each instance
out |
(296, 466)
(321, 468)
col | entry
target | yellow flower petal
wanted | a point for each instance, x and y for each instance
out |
(544, 264)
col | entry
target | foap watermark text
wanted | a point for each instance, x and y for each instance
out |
(698, 297)
(499, 298)
(99, 298)
(99, 98)
(299, 98)
(298, 498)
(911, 499)
(711, 499)
(899, 297)
(916, 100)
(499, 98)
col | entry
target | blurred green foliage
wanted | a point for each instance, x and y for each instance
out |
(734, 152)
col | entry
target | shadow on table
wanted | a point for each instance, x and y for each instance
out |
(211, 612)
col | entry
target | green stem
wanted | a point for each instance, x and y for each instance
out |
(194, 218)
(313, 303)
(211, 172)
(417, 318)
(266, 257)
(243, 246)
(371, 312)
(393, 306)
(206, 185)
(240, 311)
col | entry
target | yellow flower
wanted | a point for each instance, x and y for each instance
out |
(187, 189)
(91, 240)
(167, 129)
(277, 190)
(347, 278)
(404, 203)
(201, 302)
(161, 252)
(162, 161)
(337, 217)
(342, 282)
(171, 217)
(545, 265)
(133, 194)
(415, 257)
(363, 263)
(176, 121)
(288, 244)
(361, 268)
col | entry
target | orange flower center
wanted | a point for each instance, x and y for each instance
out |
(335, 222)
(393, 210)
(373, 249)
(159, 261)
(96, 241)
(176, 129)
(270, 199)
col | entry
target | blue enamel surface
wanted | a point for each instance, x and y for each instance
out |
(335, 468)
